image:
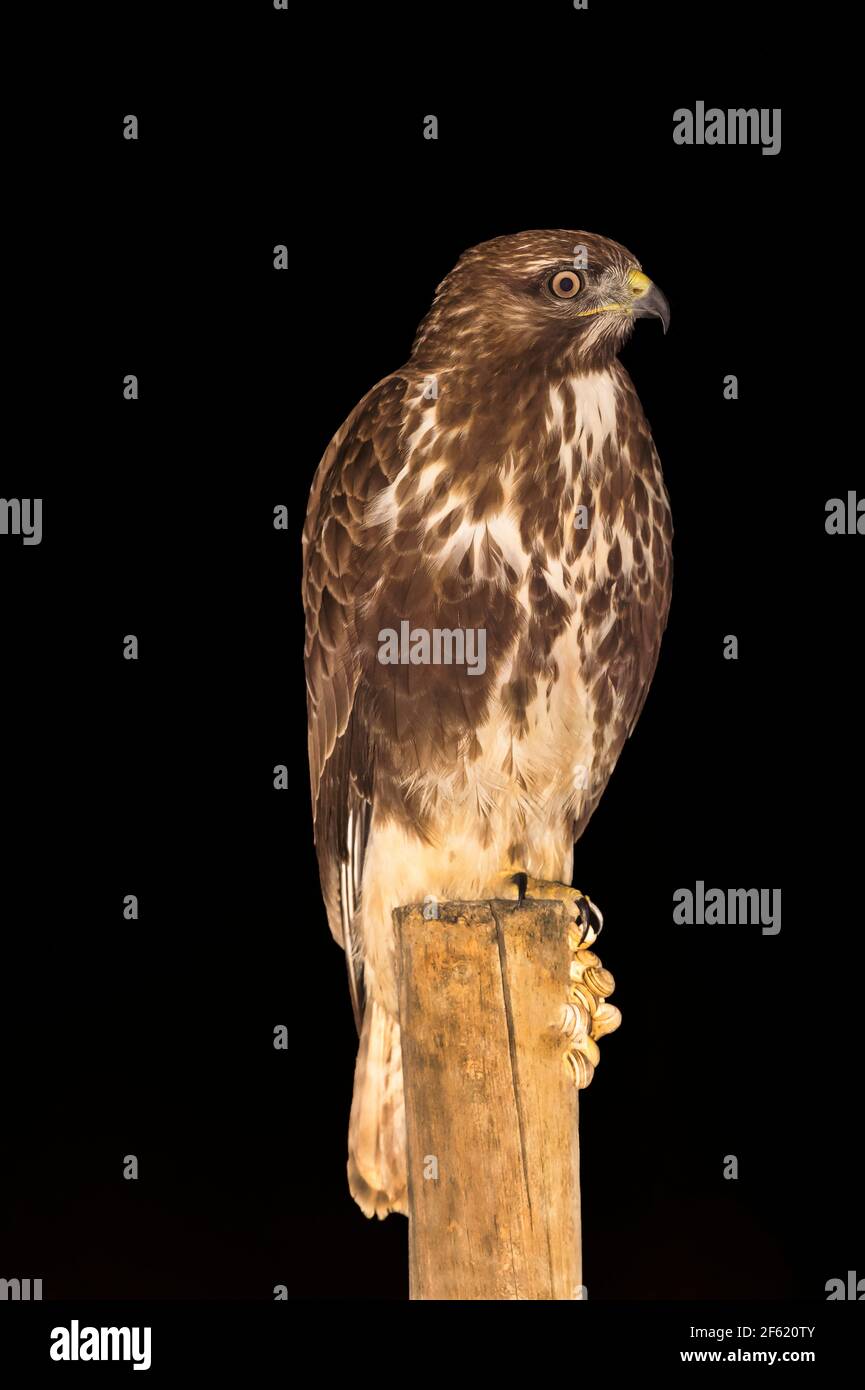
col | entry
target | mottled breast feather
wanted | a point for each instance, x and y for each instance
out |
(624, 610)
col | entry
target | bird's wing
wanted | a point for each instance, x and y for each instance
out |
(361, 459)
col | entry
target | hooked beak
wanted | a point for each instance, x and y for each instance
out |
(647, 299)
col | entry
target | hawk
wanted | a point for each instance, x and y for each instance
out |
(500, 491)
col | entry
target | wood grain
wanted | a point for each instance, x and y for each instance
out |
(489, 1103)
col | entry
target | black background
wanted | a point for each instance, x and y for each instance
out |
(155, 777)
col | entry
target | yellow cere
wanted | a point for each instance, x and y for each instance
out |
(638, 283)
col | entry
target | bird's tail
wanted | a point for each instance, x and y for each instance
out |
(376, 1131)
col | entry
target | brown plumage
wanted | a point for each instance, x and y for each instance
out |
(504, 481)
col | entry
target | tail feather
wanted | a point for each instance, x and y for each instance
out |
(376, 1131)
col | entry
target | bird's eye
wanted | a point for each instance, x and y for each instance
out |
(566, 284)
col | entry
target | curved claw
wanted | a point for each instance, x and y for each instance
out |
(585, 915)
(591, 919)
(596, 919)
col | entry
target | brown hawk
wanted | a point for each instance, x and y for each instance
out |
(487, 573)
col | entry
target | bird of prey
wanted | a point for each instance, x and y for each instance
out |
(499, 494)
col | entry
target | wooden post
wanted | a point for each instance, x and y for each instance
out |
(491, 1107)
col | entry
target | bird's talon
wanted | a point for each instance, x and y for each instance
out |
(585, 916)
(587, 1016)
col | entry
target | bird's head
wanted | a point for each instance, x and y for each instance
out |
(568, 298)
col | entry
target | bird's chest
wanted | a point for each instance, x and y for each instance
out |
(542, 550)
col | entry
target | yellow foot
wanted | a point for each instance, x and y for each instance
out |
(586, 1016)
(587, 918)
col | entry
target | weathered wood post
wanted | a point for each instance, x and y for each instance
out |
(491, 1101)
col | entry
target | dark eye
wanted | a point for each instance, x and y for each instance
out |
(566, 284)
